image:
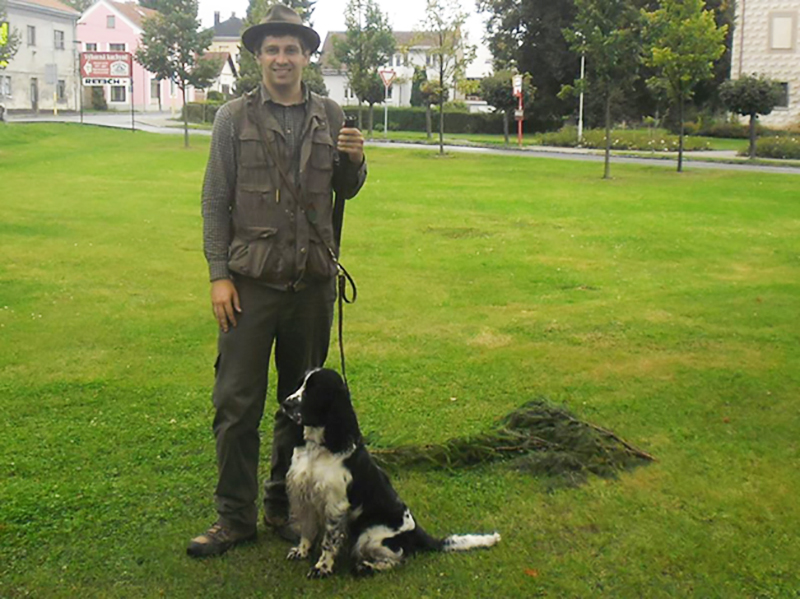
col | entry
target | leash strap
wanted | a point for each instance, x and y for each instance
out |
(343, 277)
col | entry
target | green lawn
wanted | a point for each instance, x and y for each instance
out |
(662, 306)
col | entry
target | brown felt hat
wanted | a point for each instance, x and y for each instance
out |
(280, 20)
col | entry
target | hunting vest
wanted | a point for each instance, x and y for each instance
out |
(273, 239)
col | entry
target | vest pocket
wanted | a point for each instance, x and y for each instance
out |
(320, 265)
(254, 252)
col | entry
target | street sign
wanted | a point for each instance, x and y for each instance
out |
(104, 65)
(387, 76)
(516, 82)
(105, 81)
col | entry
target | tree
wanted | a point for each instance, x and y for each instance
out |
(172, 48)
(312, 76)
(419, 78)
(607, 32)
(526, 36)
(751, 96)
(79, 5)
(432, 95)
(443, 25)
(374, 92)
(367, 45)
(683, 42)
(9, 38)
(498, 91)
(249, 75)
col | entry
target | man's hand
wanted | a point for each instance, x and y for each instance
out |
(224, 303)
(351, 142)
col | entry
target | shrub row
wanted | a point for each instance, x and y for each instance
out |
(778, 147)
(658, 140)
(413, 119)
(202, 112)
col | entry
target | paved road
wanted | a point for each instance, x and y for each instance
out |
(163, 123)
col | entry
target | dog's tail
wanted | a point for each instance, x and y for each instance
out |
(426, 542)
(467, 542)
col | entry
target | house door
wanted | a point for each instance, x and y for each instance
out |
(34, 94)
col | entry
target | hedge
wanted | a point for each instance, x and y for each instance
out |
(778, 147)
(202, 112)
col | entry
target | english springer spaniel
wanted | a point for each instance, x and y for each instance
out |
(335, 486)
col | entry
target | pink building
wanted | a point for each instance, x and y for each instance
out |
(109, 26)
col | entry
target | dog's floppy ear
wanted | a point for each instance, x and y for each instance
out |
(341, 427)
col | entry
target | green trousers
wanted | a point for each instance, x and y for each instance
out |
(298, 325)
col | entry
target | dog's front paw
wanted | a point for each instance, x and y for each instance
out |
(296, 554)
(319, 571)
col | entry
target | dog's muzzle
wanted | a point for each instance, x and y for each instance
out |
(291, 407)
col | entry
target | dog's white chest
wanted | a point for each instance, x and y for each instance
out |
(317, 478)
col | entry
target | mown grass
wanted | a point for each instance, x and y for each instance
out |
(661, 306)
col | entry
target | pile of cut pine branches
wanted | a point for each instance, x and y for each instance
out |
(538, 438)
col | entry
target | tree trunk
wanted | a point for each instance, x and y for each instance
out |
(371, 119)
(680, 136)
(428, 123)
(360, 119)
(752, 152)
(441, 126)
(505, 126)
(185, 116)
(607, 166)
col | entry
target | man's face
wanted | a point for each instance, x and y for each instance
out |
(282, 60)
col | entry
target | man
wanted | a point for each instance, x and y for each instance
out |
(276, 155)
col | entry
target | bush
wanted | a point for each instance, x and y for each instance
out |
(201, 112)
(658, 140)
(215, 96)
(413, 119)
(98, 99)
(778, 147)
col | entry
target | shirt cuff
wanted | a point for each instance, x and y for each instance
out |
(218, 270)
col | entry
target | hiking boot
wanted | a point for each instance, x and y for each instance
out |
(217, 540)
(282, 528)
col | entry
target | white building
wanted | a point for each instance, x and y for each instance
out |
(765, 42)
(42, 75)
(412, 51)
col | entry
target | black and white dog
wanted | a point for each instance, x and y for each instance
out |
(335, 486)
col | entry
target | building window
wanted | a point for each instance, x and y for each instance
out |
(389, 93)
(782, 31)
(784, 101)
(5, 86)
(58, 39)
(116, 47)
(111, 22)
(155, 91)
(117, 93)
(31, 35)
(91, 46)
(61, 90)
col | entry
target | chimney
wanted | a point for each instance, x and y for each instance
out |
(216, 18)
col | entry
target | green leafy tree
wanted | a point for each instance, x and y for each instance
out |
(608, 33)
(751, 96)
(9, 38)
(79, 5)
(374, 93)
(432, 95)
(417, 80)
(526, 36)
(172, 47)
(249, 75)
(443, 24)
(312, 75)
(498, 91)
(367, 45)
(683, 41)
